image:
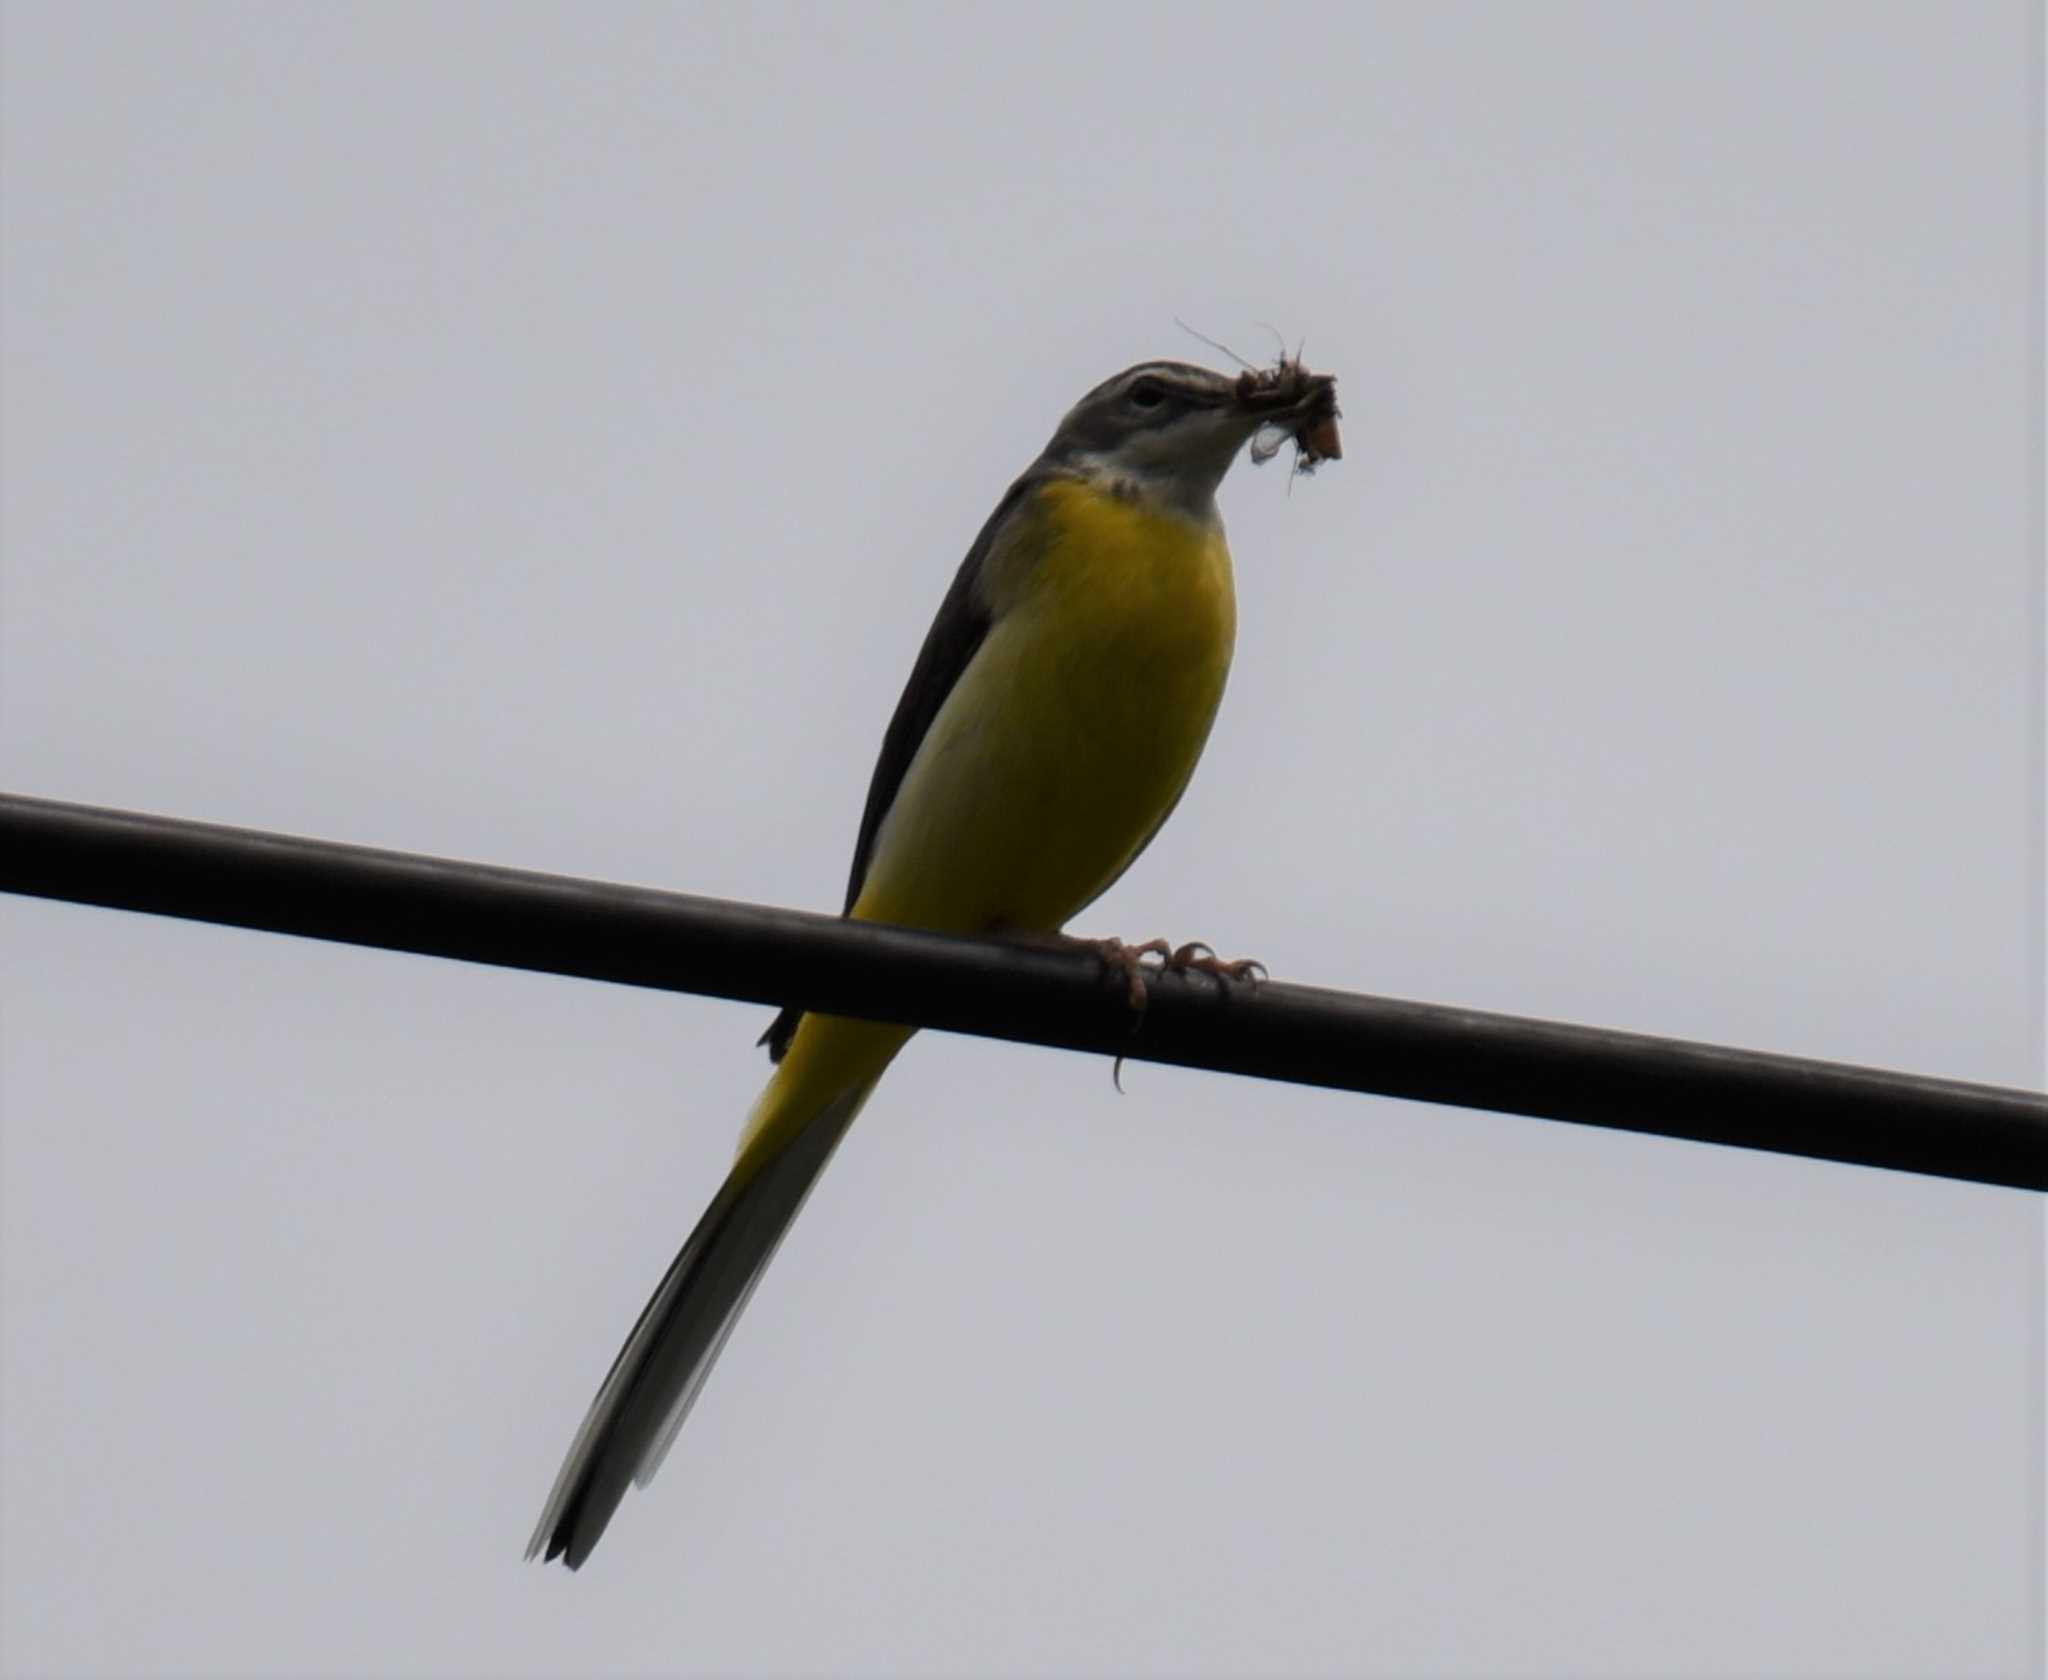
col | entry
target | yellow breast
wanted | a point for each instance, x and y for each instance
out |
(1074, 730)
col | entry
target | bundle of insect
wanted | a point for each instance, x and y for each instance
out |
(1314, 434)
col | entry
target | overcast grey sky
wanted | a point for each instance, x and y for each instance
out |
(542, 435)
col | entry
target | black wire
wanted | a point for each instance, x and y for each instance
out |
(637, 937)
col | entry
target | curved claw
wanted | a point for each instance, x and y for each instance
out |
(1199, 957)
(1127, 962)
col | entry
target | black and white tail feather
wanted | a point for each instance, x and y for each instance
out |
(679, 1335)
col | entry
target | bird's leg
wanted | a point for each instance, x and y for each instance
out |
(1127, 963)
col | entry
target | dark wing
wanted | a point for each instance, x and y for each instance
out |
(951, 643)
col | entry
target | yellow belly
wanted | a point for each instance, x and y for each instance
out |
(1074, 730)
(1050, 765)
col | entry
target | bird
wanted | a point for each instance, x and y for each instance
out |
(1050, 725)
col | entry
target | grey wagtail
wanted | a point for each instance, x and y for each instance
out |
(1049, 726)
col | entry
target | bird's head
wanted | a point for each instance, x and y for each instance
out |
(1169, 430)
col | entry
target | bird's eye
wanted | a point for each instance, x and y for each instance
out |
(1147, 393)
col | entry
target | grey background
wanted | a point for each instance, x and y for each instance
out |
(542, 436)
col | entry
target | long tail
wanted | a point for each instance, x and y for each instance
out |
(680, 1333)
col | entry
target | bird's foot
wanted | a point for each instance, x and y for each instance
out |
(1127, 965)
(1197, 958)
